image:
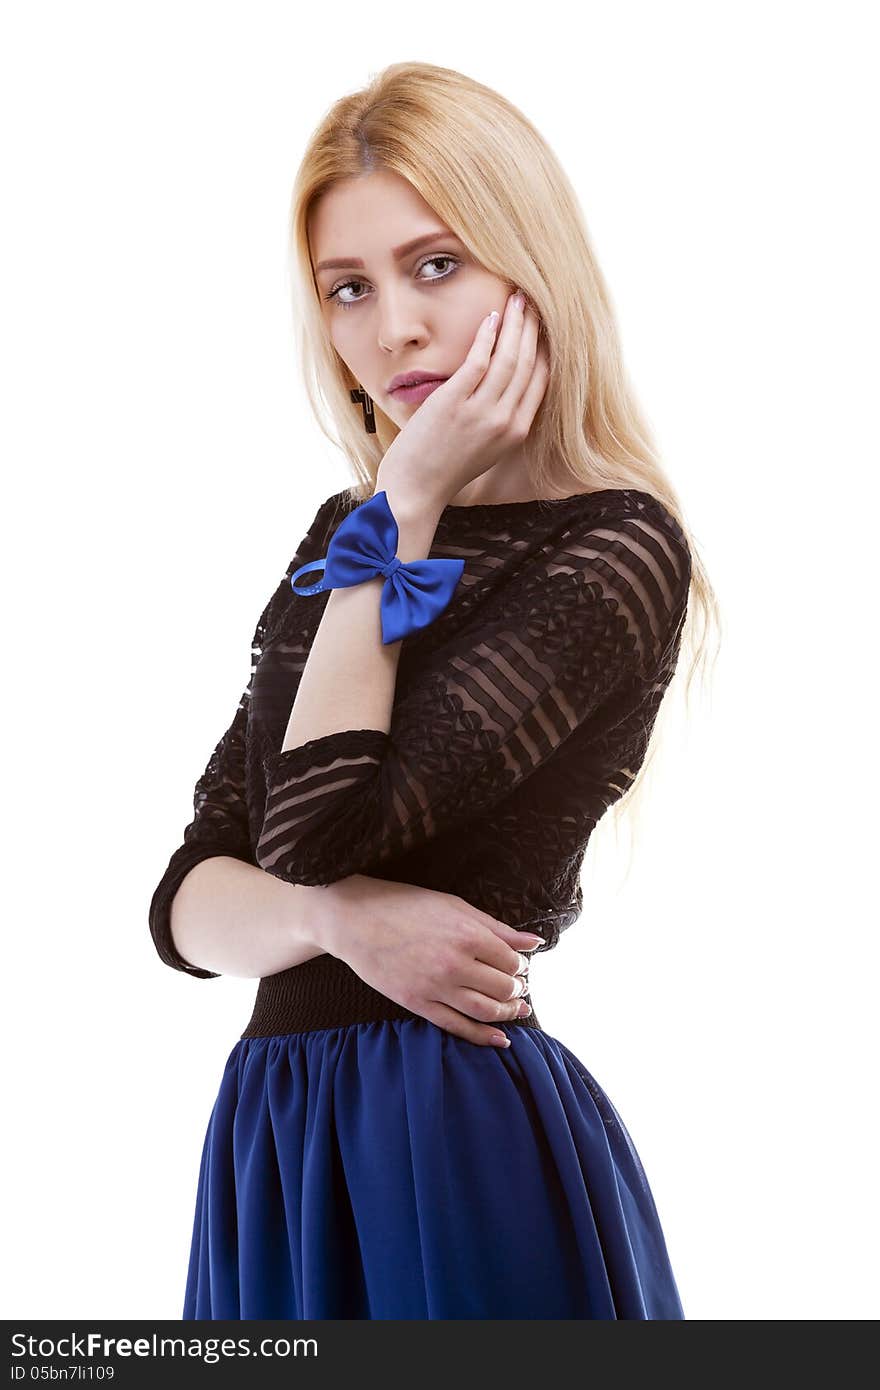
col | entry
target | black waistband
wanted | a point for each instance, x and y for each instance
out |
(326, 993)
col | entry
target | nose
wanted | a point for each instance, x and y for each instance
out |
(400, 320)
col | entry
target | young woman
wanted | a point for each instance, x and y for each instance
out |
(457, 676)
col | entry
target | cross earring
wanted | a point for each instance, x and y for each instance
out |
(359, 394)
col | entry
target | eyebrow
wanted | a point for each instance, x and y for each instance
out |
(398, 252)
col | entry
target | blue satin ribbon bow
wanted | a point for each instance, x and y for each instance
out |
(363, 547)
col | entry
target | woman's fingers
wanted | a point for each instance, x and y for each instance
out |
(534, 392)
(484, 1034)
(499, 383)
(517, 376)
(487, 1009)
(472, 372)
(518, 937)
(495, 355)
(524, 367)
(500, 985)
(494, 954)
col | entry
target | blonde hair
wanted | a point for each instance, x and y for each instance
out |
(487, 172)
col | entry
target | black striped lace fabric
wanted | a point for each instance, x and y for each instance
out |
(521, 715)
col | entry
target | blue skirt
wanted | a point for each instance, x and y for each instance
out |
(393, 1170)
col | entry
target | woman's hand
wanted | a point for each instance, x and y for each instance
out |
(431, 952)
(482, 412)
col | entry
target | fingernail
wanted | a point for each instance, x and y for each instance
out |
(501, 1040)
(538, 940)
(518, 299)
(524, 1010)
(493, 319)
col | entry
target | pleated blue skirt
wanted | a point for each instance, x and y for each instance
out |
(392, 1170)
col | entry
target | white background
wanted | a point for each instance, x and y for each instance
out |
(161, 466)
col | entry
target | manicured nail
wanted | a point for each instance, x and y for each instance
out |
(501, 1040)
(518, 299)
(493, 320)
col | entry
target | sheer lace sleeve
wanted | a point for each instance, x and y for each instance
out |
(220, 819)
(595, 616)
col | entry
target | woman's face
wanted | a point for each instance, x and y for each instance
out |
(414, 311)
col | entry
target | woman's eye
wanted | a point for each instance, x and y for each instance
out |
(430, 260)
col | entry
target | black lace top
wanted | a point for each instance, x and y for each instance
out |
(520, 715)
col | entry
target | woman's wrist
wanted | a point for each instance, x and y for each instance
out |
(333, 907)
(416, 515)
(409, 503)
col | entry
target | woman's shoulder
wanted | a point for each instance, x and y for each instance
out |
(632, 504)
(633, 527)
(620, 500)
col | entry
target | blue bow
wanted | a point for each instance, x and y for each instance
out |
(365, 546)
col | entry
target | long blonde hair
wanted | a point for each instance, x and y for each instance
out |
(487, 172)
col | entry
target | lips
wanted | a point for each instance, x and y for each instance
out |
(413, 379)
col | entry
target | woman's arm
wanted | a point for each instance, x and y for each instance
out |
(234, 919)
(214, 911)
(350, 677)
